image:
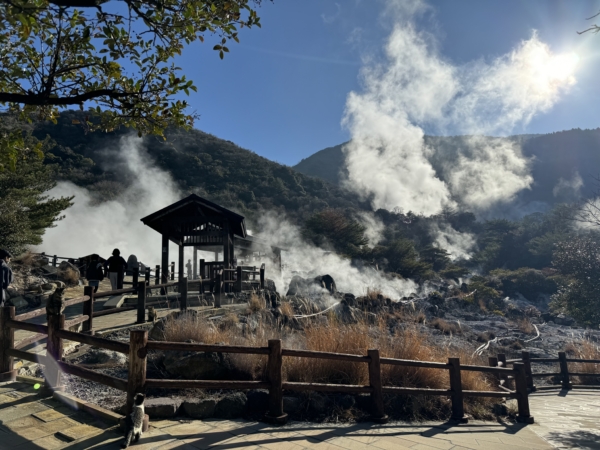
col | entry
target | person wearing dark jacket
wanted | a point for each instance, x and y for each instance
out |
(7, 275)
(94, 272)
(115, 268)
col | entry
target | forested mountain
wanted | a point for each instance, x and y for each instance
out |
(563, 164)
(199, 162)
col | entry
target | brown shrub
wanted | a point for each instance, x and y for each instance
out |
(69, 276)
(287, 309)
(585, 350)
(445, 326)
(27, 258)
(255, 303)
(525, 326)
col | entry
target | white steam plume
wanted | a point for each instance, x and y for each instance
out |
(91, 227)
(459, 245)
(307, 260)
(387, 159)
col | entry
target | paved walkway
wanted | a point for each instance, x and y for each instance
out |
(30, 420)
(568, 419)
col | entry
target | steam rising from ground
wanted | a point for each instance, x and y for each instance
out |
(387, 159)
(307, 260)
(91, 227)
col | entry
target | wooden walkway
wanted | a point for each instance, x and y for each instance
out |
(30, 420)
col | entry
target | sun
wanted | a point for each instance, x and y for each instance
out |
(553, 69)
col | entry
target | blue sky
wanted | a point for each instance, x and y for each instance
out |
(281, 92)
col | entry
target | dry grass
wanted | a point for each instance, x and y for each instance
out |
(287, 309)
(525, 326)
(27, 258)
(255, 303)
(373, 294)
(446, 327)
(69, 276)
(336, 337)
(585, 350)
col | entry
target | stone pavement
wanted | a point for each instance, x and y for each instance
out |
(32, 420)
(567, 419)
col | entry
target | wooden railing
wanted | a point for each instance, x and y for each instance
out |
(138, 347)
(563, 374)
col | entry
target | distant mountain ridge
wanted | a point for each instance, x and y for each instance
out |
(563, 163)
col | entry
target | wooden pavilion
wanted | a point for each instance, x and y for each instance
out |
(204, 225)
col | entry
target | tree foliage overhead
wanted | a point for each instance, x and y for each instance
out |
(115, 55)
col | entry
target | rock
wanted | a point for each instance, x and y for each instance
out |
(33, 300)
(318, 403)
(68, 272)
(102, 356)
(301, 286)
(258, 400)
(231, 406)
(561, 319)
(270, 285)
(197, 366)
(199, 408)
(12, 293)
(59, 284)
(350, 299)
(161, 407)
(37, 288)
(291, 404)
(19, 302)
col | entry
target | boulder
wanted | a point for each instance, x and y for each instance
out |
(68, 272)
(561, 319)
(197, 366)
(270, 285)
(59, 284)
(102, 356)
(301, 286)
(132, 263)
(350, 299)
(161, 408)
(199, 408)
(258, 400)
(12, 293)
(19, 302)
(231, 406)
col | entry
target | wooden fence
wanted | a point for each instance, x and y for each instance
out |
(137, 349)
(563, 374)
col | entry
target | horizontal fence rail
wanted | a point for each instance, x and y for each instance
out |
(138, 347)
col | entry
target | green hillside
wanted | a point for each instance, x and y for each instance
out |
(199, 163)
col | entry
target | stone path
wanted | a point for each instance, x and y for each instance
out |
(568, 419)
(31, 420)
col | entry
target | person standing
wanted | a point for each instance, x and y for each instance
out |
(115, 268)
(188, 266)
(7, 275)
(94, 272)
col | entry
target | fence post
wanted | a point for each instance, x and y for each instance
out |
(493, 362)
(458, 411)
(239, 279)
(377, 413)
(262, 276)
(55, 261)
(183, 293)
(564, 370)
(274, 365)
(202, 270)
(136, 379)
(157, 275)
(524, 415)
(141, 303)
(172, 270)
(54, 350)
(7, 340)
(526, 357)
(88, 310)
(218, 289)
(135, 276)
(502, 363)
(147, 276)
